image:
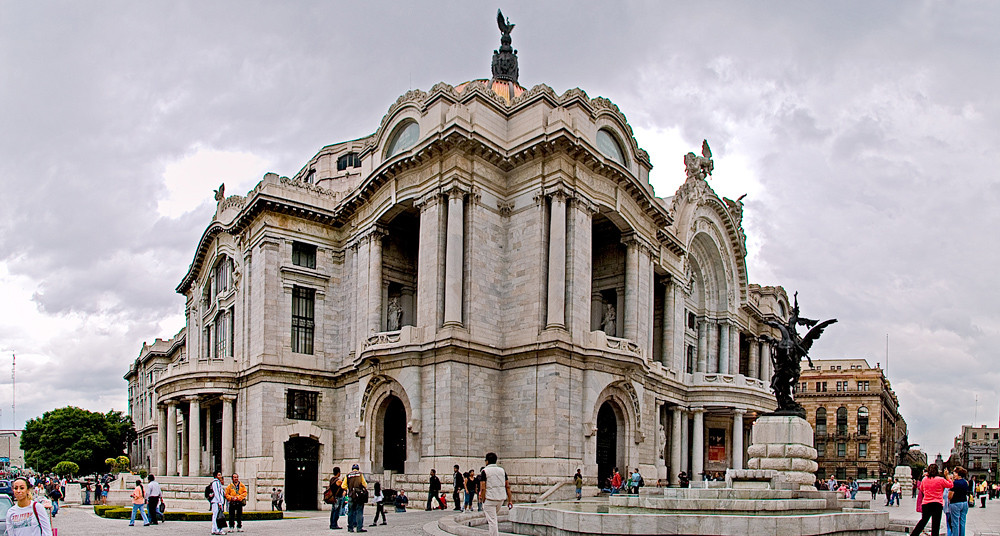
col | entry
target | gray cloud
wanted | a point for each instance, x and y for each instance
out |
(869, 127)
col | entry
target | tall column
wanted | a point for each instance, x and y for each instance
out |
(738, 437)
(454, 251)
(765, 363)
(161, 440)
(734, 349)
(630, 320)
(685, 443)
(702, 346)
(227, 434)
(754, 359)
(429, 256)
(675, 446)
(698, 444)
(724, 347)
(556, 317)
(194, 436)
(713, 347)
(375, 281)
(171, 438)
(667, 353)
(182, 444)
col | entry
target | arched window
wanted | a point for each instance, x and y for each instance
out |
(863, 420)
(821, 421)
(842, 420)
(405, 137)
(608, 144)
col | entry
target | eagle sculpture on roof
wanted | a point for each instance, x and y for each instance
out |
(504, 24)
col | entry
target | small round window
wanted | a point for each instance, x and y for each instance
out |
(404, 138)
(608, 145)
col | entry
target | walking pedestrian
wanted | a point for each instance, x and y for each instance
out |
(888, 491)
(26, 517)
(933, 489)
(236, 495)
(578, 484)
(138, 504)
(155, 496)
(456, 497)
(616, 481)
(274, 500)
(379, 503)
(281, 498)
(897, 492)
(336, 486)
(217, 502)
(494, 489)
(982, 493)
(357, 495)
(433, 490)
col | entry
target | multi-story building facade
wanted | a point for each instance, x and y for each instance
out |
(490, 270)
(977, 450)
(855, 418)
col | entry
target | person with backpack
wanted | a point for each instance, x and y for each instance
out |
(357, 495)
(336, 497)
(637, 481)
(26, 517)
(216, 495)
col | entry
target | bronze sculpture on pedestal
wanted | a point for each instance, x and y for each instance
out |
(787, 354)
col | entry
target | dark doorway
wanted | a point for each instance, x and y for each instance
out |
(215, 421)
(394, 435)
(607, 442)
(301, 473)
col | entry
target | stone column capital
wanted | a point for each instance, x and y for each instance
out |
(228, 397)
(192, 398)
(171, 403)
(428, 200)
(697, 409)
(740, 411)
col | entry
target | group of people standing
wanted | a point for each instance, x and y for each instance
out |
(219, 495)
(491, 486)
(630, 484)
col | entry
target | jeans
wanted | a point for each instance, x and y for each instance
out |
(141, 508)
(433, 495)
(338, 506)
(235, 514)
(86, 496)
(468, 500)
(853, 493)
(356, 516)
(959, 511)
(153, 507)
(931, 511)
(55, 506)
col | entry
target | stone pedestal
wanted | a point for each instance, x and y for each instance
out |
(784, 444)
(904, 476)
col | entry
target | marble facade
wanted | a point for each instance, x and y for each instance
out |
(497, 227)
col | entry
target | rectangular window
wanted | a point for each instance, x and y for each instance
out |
(841, 449)
(303, 254)
(303, 315)
(863, 449)
(862, 473)
(208, 342)
(821, 448)
(841, 473)
(692, 321)
(690, 359)
(221, 338)
(301, 405)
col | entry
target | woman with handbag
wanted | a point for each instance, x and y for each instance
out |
(139, 504)
(26, 517)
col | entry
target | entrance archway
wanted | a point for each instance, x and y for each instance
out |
(608, 434)
(391, 450)
(301, 473)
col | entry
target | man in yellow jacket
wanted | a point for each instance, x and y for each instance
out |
(236, 495)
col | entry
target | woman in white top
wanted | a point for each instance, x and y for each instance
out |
(27, 517)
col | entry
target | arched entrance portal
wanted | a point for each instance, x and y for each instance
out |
(391, 450)
(301, 473)
(608, 434)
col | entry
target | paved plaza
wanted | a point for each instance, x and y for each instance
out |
(83, 521)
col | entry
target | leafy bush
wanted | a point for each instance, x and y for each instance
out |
(66, 468)
(123, 463)
(143, 473)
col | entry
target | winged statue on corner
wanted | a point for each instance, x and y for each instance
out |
(505, 26)
(787, 355)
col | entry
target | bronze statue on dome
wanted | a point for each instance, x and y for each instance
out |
(505, 60)
(787, 354)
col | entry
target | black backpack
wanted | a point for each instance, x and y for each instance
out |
(209, 492)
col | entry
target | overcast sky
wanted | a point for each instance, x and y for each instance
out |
(864, 133)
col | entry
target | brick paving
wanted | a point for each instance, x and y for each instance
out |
(73, 521)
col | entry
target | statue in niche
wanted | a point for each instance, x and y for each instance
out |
(662, 443)
(699, 167)
(787, 357)
(608, 320)
(395, 321)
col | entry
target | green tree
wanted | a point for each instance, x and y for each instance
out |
(65, 468)
(73, 434)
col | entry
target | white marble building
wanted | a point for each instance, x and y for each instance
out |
(490, 270)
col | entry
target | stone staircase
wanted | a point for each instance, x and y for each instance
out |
(185, 493)
(523, 488)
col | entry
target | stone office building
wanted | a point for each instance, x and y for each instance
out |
(855, 417)
(490, 270)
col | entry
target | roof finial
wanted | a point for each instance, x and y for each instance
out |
(505, 59)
